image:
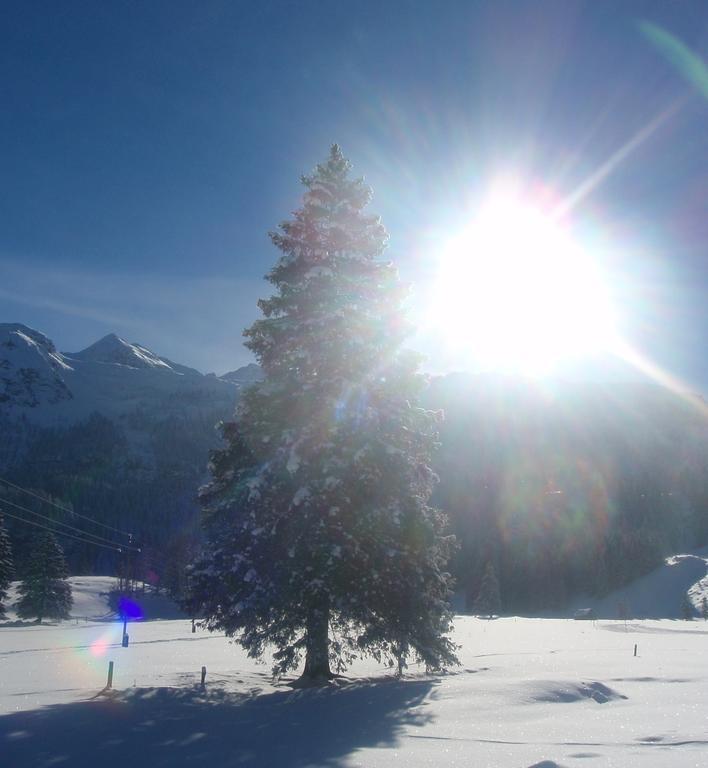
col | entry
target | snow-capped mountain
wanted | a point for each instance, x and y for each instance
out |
(112, 377)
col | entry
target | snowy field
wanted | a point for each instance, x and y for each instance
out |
(530, 692)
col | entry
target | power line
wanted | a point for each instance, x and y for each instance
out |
(60, 533)
(66, 509)
(70, 527)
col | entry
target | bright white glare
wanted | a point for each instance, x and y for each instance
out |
(514, 292)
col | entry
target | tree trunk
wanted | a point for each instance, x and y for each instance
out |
(317, 644)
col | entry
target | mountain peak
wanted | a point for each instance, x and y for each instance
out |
(248, 374)
(113, 349)
(20, 331)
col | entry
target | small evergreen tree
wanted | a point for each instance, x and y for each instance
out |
(44, 591)
(704, 608)
(488, 602)
(320, 538)
(6, 569)
(687, 610)
(180, 550)
(623, 611)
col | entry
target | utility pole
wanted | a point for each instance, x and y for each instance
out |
(129, 574)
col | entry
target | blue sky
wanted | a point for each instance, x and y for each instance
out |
(146, 148)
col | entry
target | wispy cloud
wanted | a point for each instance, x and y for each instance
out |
(47, 302)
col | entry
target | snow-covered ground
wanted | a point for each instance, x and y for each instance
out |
(530, 692)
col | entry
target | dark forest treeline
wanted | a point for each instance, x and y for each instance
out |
(566, 489)
(139, 477)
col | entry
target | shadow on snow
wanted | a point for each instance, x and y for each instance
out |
(179, 726)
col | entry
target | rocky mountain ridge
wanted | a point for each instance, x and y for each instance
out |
(111, 377)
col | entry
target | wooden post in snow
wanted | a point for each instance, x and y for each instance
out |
(109, 684)
(203, 676)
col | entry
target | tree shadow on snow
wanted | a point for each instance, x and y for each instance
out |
(158, 727)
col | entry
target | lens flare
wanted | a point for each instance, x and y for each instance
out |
(100, 645)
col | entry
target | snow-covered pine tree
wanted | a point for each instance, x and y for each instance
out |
(44, 591)
(6, 569)
(704, 608)
(320, 537)
(488, 602)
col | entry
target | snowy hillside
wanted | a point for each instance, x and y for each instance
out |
(91, 601)
(659, 593)
(530, 693)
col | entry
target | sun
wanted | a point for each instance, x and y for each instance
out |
(514, 291)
